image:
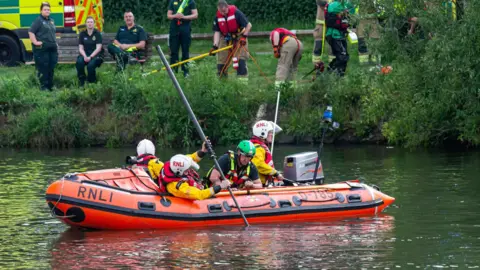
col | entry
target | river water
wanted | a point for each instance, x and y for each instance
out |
(434, 223)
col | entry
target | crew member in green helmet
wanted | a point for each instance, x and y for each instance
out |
(237, 167)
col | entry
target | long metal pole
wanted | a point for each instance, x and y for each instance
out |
(197, 126)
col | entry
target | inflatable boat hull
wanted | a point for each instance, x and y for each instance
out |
(127, 199)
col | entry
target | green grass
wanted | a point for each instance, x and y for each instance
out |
(255, 45)
(20, 72)
(267, 63)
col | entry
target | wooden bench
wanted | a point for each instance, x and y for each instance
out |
(68, 48)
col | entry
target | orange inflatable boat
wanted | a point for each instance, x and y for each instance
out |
(127, 198)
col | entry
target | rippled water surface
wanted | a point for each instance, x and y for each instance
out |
(435, 222)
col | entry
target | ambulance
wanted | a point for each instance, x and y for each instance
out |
(16, 16)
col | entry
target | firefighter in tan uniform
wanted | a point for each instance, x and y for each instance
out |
(318, 33)
(368, 27)
(231, 27)
(288, 49)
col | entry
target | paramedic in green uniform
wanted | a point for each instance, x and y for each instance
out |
(180, 13)
(129, 42)
(91, 52)
(45, 54)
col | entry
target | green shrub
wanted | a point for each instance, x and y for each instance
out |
(17, 95)
(224, 108)
(266, 13)
(437, 95)
(57, 127)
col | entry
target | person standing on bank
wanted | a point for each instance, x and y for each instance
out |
(181, 13)
(231, 27)
(45, 48)
(336, 36)
(91, 52)
(318, 35)
(288, 49)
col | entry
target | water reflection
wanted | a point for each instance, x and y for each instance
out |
(436, 224)
(332, 245)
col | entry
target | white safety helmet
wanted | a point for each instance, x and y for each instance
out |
(263, 127)
(145, 147)
(181, 163)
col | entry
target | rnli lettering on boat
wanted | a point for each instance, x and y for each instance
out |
(94, 194)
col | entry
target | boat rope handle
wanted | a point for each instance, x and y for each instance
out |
(52, 211)
(63, 217)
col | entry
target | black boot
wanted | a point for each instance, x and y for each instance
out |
(219, 70)
(362, 45)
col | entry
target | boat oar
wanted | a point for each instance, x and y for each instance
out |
(197, 126)
(272, 190)
(284, 189)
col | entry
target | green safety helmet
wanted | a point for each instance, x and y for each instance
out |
(247, 148)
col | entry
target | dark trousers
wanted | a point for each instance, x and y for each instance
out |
(180, 37)
(45, 62)
(122, 57)
(339, 49)
(91, 69)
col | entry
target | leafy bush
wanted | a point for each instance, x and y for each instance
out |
(437, 94)
(224, 108)
(49, 127)
(258, 12)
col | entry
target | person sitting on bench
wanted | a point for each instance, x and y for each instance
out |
(129, 43)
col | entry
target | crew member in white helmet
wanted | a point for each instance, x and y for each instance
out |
(262, 134)
(176, 178)
(145, 153)
(146, 158)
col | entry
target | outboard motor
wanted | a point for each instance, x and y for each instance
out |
(299, 168)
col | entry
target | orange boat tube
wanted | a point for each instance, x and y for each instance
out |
(127, 199)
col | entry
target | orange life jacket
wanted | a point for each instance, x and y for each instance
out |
(228, 25)
(142, 160)
(268, 156)
(283, 33)
(167, 176)
(232, 174)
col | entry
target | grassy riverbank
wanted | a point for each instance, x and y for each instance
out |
(430, 98)
(118, 111)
